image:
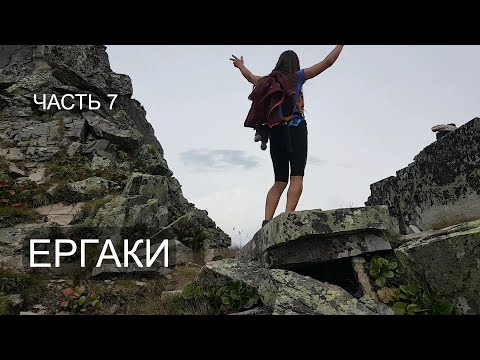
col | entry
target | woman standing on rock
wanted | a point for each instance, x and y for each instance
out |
(288, 138)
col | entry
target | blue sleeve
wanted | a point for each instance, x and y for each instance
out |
(301, 76)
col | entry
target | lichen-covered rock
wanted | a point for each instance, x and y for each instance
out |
(196, 223)
(376, 306)
(319, 236)
(151, 213)
(93, 185)
(441, 187)
(147, 186)
(100, 163)
(284, 292)
(111, 214)
(254, 312)
(222, 272)
(448, 262)
(302, 295)
(131, 212)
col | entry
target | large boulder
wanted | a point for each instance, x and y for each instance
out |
(316, 236)
(302, 295)
(222, 272)
(441, 187)
(448, 263)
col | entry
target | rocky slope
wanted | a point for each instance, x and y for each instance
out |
(90, 160)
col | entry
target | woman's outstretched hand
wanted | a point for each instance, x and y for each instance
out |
(236, 61)
(247, 74)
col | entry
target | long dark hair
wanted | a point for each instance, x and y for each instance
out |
(287, 64)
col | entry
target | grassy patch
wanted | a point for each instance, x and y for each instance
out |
(232, 252)
(112, 174)
(68, 169)
(11, 216)
(63, 194)
(132, 299)
(191, 234)
(65, 170)
(91, 207)
(152, 150)
(233, 297)
(4, 306)
(31, 288)
(445, 220)
(183, 276)
(176, 305)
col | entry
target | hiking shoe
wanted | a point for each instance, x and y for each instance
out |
(257, 138)
(263, 146)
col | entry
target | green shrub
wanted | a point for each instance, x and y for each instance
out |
(192, 235)
(77, 299)
(383, 271)
(413, 300)
(407, 299)
(233, 297)
(68, 169)
(30, 288)
(5, 308)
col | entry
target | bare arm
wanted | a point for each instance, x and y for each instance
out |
(323, 65)
(247, 74)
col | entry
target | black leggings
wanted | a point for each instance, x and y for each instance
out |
(288, 146)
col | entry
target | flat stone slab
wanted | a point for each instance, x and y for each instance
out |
(318, 236)
(321, 250)
(59, 213)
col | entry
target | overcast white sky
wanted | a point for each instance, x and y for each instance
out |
(368, 116)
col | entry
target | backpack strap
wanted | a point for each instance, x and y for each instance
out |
(300, 105)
